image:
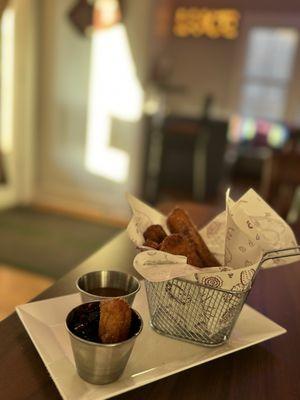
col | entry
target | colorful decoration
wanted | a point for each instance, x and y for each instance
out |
(262, 132)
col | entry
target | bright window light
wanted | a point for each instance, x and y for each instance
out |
(269, 65)
(114, 92)
(7, 87)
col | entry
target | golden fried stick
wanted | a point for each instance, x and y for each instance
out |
(174, 244)
(149, 243)
(155, 233)
(177, 244)
(115, 321)
(179, 222)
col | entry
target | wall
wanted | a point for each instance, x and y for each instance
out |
(63, 179)
(204, 66)
(288, 6)
(25, 96)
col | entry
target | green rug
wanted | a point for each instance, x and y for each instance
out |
(46, 243)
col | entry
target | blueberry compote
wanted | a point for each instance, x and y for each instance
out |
(83, 321)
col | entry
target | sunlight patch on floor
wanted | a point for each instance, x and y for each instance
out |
(18, 287)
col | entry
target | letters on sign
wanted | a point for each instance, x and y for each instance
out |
(212, 23)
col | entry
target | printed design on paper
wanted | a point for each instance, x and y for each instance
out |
(214, 281)
(247, 263)
(270, 229)
(246, 276)
(214, 228)
(224, 269)
(164, 258)
(239, 287)
(229, 234)
(142, 220)
(228, 256)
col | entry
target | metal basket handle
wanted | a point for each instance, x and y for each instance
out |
(269, 255)
(280, 253)
(273, 255)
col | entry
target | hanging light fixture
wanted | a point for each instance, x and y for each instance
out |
(95, 14)
(81, 15)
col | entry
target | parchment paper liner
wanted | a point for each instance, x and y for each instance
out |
(238, 237)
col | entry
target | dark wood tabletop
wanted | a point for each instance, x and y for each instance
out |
(269, 370)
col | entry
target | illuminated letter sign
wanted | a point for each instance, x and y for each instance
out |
(212, 23)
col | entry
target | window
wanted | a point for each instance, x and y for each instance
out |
(268, 70)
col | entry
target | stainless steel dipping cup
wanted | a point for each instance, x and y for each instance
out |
(104, 279)
(100, 363)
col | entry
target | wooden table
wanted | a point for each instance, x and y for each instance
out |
(266, 371)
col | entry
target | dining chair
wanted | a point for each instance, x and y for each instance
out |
(280, 180)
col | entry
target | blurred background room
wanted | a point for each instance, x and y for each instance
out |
(173, 101)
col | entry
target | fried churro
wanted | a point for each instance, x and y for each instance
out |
(179, 222)
(115, 321)
(150, 243)
(177, 244)
(155, 233)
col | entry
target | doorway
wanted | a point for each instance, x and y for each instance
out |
(17, 102)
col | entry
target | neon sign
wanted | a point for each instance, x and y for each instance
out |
(212, 23)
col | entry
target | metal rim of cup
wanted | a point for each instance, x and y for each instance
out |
(104, 344)
(108, 297)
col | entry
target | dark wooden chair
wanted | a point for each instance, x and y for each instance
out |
(208, 160)
(281, 177)
(186, 155)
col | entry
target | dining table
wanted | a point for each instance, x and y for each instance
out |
(269, 370)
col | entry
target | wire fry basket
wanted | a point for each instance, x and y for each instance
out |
(197, 313)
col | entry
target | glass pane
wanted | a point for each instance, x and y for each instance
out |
(271, 53)
(263, 101)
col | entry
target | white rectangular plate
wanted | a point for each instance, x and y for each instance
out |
(153, 357)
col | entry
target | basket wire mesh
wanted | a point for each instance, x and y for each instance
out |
(196, 313)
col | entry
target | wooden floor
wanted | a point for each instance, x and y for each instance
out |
(18, 287)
